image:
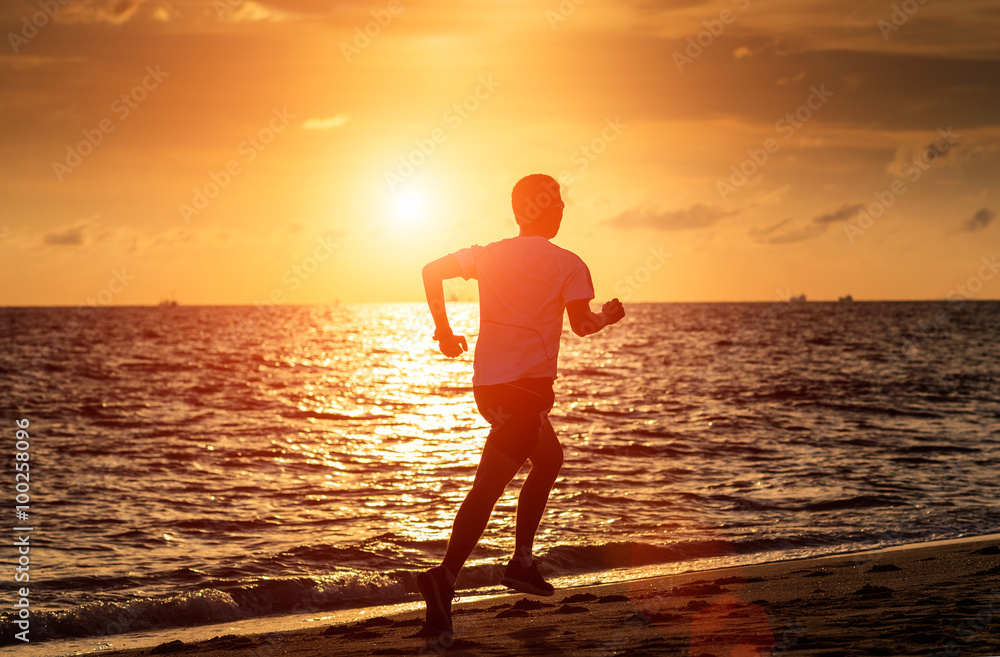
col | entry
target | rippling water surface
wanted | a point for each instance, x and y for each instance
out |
(213, 463)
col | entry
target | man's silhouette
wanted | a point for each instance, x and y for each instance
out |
(525, 283)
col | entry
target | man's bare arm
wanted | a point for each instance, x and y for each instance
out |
(434, 274)
(584, 322)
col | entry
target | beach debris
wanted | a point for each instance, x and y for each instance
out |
(512, 613)
(664, 618)
(570, 609)
(614, 597)
(530, 605)
(580, 597)
(989, 549)
(699, 589)
(870, 591)
(409, 622)
(361, 634)
(883, 568)
(229, 642)
(166, 648)
(822, 572)
(991, 572)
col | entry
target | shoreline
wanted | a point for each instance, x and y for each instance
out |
(921, 598)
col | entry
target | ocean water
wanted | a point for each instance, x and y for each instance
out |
(205, 464)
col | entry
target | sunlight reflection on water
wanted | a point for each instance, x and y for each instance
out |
(315, 440)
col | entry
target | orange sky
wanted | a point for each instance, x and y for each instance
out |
(338, 163)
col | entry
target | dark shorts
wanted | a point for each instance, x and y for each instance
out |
(516, 412)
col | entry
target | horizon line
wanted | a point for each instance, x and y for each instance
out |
(348, 303)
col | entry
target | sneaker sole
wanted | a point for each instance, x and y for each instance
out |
(525, 587)
(431, 592)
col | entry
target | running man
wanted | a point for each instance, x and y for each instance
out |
(525, 283)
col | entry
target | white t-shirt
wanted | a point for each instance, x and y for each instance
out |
(524, 285)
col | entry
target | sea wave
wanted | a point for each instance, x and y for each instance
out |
(213, 463)
(220, 599)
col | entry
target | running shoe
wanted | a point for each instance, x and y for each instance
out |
(526, 579)
(438, 596)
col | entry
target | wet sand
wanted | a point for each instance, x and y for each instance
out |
(928, 598)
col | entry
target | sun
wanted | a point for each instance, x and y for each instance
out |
(409, 206)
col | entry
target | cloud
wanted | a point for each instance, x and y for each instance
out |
(327, 123)
(115, 12)
(910, 157)
(254, 12)
(983, 218)
(843, 213)
(791, 79)
(781, 233)
(691, 217)
(28, 62)
(774, 234)
(770, 236)
(74, 235)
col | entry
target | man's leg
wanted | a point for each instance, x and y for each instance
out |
(546, 461)
(496, 469)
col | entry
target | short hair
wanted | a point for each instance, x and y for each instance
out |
(532, 195)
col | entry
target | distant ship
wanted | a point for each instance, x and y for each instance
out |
(169, 303)
(847, 299)
(797, 298)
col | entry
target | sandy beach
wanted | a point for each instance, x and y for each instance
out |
(930, 598)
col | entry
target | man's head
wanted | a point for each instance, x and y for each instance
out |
(538, 207)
